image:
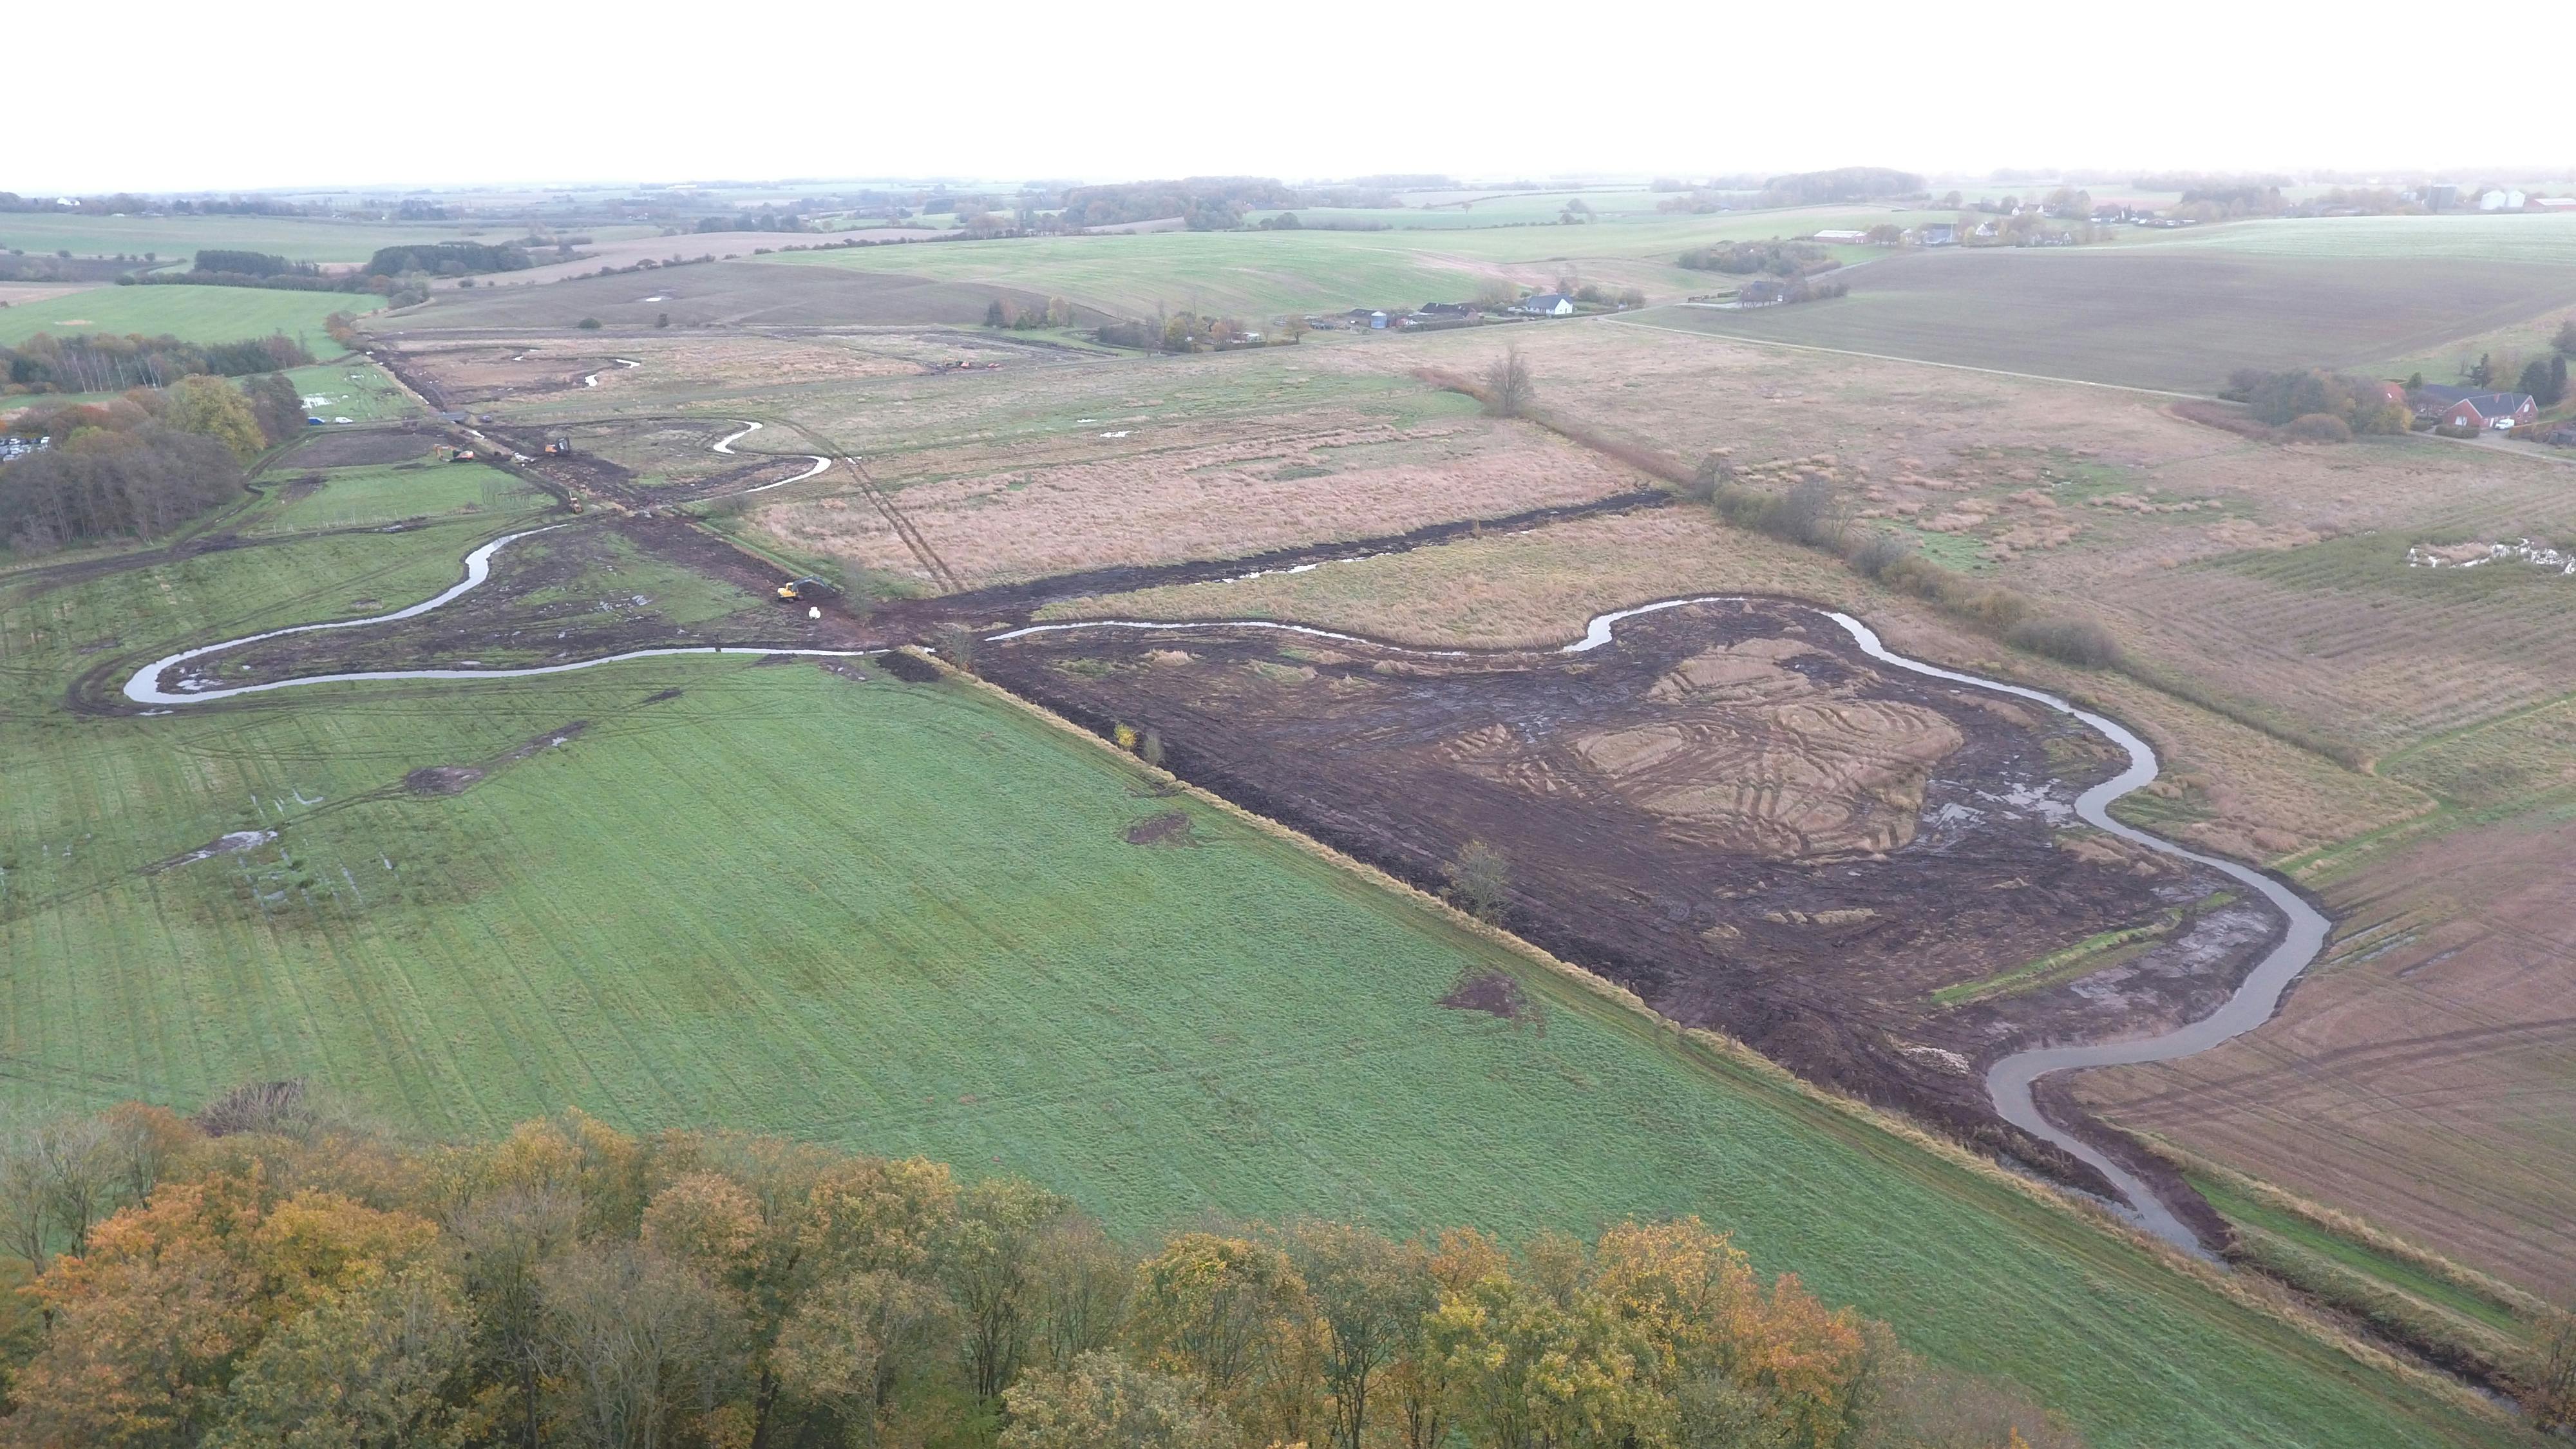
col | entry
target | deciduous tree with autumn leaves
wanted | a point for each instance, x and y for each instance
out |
(265, 1276)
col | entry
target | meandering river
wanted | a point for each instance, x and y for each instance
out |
(2009, 1082)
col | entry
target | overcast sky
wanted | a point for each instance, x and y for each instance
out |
(160, 96)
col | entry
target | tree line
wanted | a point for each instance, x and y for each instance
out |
(1847, 183)
(269, 1274)
(1205, 203)
(143, 464)
(2316, 404)
(389, 272)
(102, 362)
(1744, 258)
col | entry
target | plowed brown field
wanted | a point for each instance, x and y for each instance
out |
(2426, 1075)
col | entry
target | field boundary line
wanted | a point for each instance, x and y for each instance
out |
(1914, 361)
(1636, 1015)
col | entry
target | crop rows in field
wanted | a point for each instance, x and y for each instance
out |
(2342, 634)
(2151, 316)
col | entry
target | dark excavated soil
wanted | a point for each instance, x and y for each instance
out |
(441, 779)
(1825, 961)
(1172, 827)
(360, 448)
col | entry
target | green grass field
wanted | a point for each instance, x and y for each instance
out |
(905, 917)
(177, 239)
(364, 497)
(356, 389)
(2390, 1271)
(1262, 274)
(2498, 238)
(191, 314)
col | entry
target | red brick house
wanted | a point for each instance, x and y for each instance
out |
(2461, 407)
(2493, 410)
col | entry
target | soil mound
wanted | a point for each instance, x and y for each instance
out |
(1491, 992)
(1169, 828)
(441, 779)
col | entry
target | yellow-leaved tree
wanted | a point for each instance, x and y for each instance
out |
(215, 408)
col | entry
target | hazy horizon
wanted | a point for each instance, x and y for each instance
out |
(1161, 90)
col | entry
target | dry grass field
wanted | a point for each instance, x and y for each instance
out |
(2152, 316)
(671, 368)
(18, 294)
(722, 293)
(2272, 574)
(1206, 489)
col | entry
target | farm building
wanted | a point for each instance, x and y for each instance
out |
(1842, 237)
(1546, 304)
(2502, 200)
(2463, 408)
(1937, 234)
(1447, 309)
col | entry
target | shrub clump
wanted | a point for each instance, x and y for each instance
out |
(1811, 513)
(2069, 640)
(2290, 398)
(1745, 258)
(2319, 428)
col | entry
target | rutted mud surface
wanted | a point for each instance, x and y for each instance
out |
(1733, 811)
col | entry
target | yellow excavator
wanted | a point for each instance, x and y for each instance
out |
(796, 589)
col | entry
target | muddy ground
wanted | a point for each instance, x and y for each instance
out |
(360, 447)
(562, 595)
(683, 445)
(1729, 810)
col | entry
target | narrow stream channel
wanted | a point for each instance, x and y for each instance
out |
(145, 686)
(2009, 1082)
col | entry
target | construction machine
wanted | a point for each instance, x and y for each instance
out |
(796, 589)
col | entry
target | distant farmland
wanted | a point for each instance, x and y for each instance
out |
(2172, 318)
(740, 294)
(192, 314)
(174, 240)
(1259, 274)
